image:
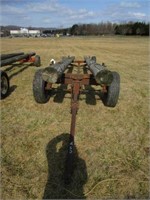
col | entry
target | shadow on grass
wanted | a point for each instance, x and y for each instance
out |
(22, 68)
(90, 94)
(60, 94)
(12, 89)
(56, 188)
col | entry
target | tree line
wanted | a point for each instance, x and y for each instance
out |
(130, 28)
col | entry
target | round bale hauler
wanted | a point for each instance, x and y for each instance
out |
(82, 73)
(37, 61)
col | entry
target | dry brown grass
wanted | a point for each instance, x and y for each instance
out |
(112, 144)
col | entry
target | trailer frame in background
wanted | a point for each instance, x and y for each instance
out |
(9, 59)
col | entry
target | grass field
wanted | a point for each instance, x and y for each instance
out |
(112, 144)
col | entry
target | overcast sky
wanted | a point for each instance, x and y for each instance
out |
(65, 13)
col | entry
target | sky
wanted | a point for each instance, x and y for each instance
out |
(65, 13)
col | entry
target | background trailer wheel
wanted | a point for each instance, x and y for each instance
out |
(41, 95)
(110, 98)
(37, 61)
(4, 88)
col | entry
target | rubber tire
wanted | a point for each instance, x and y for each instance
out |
(110, 98)
(37, 61)
(4, 75)
(40, 94)
(93, 58)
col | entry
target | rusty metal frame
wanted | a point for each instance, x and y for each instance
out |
(76, 80)
(29, 59)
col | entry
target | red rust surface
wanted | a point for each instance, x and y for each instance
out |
(30, 59)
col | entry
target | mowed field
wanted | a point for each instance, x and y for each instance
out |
(112, 144)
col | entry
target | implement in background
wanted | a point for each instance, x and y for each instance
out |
(8, 59)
